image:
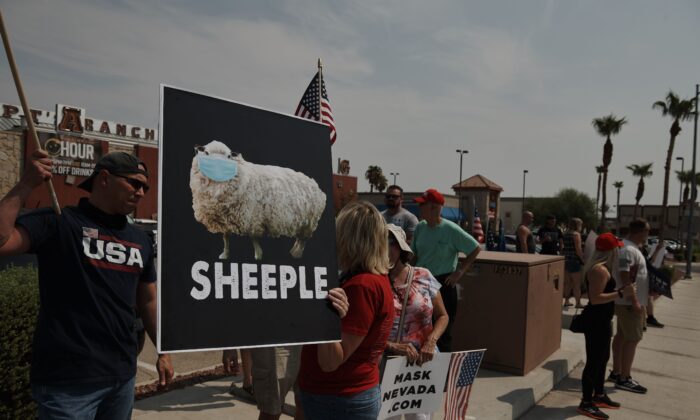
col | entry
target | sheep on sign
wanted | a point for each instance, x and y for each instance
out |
(233, 196)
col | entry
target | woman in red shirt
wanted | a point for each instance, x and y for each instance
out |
(341, 380)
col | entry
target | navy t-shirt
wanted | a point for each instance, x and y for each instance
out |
(90, 264)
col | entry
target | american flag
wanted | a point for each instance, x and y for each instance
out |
(490, 236)
(308, 106)
(460, 377)
(477, 231)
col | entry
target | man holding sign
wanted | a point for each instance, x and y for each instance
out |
(94, 270)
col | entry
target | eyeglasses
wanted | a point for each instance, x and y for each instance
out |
(391, 196)
(135, 183)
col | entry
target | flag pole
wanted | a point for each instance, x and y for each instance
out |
(320, 90)
(27, 111)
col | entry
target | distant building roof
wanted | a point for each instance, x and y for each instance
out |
(477, 182)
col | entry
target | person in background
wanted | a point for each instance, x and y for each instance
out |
(231, 366)
(341, 380)
(573, 261)
(524, 241)
(632, 268)
(656, 259)
(551, 237)
(424, 317)
(436, 244)
(599, 313)
(397, 215)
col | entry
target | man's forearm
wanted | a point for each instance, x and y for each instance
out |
(10, 205)
(467, 263)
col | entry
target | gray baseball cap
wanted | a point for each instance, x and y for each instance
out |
(116, 163)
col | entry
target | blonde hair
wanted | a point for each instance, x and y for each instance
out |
(361, 239)
(601, 257)
(575, 224)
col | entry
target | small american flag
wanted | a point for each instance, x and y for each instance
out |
(309, 104)
(477, 230)
(460, 377)
(90, 232)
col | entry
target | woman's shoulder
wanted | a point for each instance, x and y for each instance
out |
(599, 271)
(367, 280)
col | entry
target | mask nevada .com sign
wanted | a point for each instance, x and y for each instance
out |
(247, 235)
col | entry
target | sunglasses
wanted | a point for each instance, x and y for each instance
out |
(135, 183)
(391, 196)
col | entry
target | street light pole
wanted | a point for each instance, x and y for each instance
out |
(459, 191)
(680, 198)
(525, 171)
(694, 184)
(394, 174)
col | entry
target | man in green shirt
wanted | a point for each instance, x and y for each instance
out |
(436, 244)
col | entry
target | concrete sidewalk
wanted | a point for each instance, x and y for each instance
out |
(495, 395)
(667, 363)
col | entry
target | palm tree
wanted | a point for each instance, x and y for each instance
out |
(618, 185)
(686, 178)
(374, 176)
(642, 171)
(607, 126)
(599, 171)
(679, 110)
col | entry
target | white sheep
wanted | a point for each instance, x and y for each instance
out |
(260, 200)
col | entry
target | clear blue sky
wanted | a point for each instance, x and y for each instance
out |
(517, 83)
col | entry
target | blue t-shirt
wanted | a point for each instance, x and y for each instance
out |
(90, 264)
(436, 248)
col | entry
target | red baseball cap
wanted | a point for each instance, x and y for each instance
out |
(607, 242)
(431, 196)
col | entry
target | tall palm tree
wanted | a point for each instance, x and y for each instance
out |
(618, 185)
(607, 127)
(642, 171)
(599, 171)
(679, 110)
(374, 176)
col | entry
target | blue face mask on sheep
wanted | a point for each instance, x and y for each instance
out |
(219, 169)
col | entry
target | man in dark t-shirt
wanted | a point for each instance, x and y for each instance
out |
(551, 237)
(95, 272)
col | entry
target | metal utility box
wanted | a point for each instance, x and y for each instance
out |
(510, 304)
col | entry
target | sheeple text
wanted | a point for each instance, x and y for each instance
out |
(257, 281)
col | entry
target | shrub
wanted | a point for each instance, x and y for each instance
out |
(19, 306)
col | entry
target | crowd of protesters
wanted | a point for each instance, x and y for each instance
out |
(616, 280)
(84, 358)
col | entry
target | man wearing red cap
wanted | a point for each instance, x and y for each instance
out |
(95, 270)
(630, 311)
(436, 244)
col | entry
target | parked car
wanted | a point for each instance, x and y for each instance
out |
(511, 246)
(150, 227)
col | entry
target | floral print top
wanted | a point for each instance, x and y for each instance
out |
(418, 321)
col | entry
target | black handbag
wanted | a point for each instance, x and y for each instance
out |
(580, 322)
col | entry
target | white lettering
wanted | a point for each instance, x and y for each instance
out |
(253, 285)
(321, 282)
(116, 252)
(220, 279)
(288, 279)
(99, 254)
(249, 281)
(135, 257)
(266, 281)
(200, 278)
(304, 293)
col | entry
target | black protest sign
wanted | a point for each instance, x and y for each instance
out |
(247, 235)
